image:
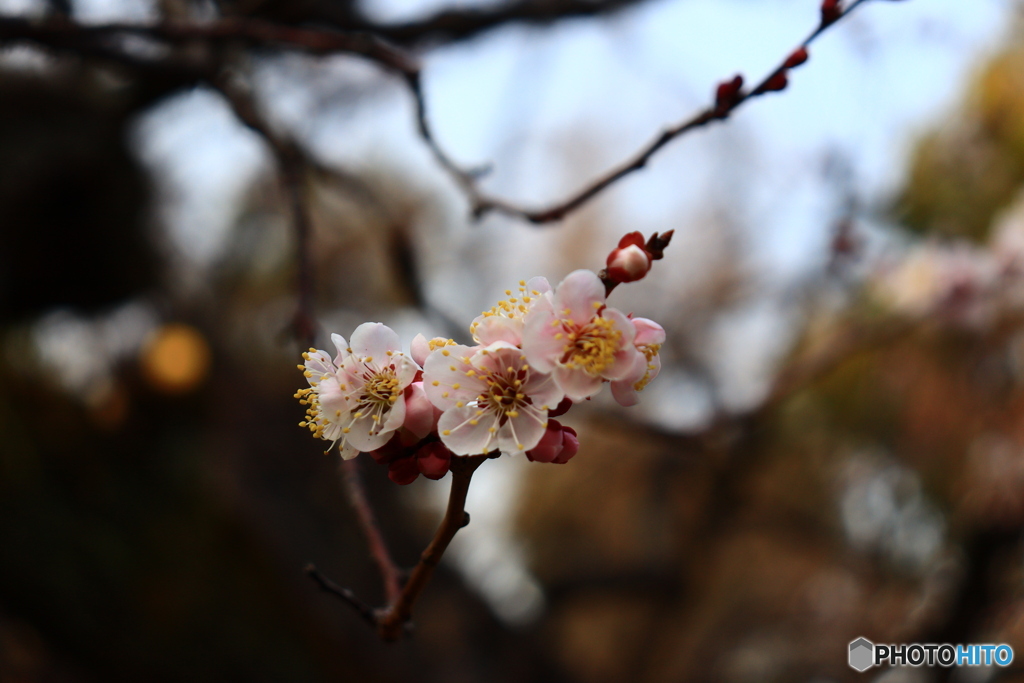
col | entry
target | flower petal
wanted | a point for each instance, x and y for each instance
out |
(577, 295)
(374, 340)
(541, 347)
(367, 435)
(465, 432)
(493, 328)
(648, 332)
(347, 451)
(419, 349)
(520, 434)
(624, 393)
(318, 363)
(543, 390)
(577, 384)
(625, 363)
(445, 377)
(342, 346)
(395, 417)
(405, 369)
(538, 286)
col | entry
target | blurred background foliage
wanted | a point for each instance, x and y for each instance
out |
(158, 503)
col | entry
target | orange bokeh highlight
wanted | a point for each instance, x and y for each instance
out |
(175, 359)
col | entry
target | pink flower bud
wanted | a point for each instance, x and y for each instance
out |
(420, 417)
(558, 445)
(628, 264)
(419, 349)
(570, 446)
(433, 460)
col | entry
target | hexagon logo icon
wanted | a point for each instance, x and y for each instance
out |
(862, 654)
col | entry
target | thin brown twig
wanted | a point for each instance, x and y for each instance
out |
(368, 523)
(328, 586)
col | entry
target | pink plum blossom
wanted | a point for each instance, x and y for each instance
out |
(359, 397)
(649, 338)
(578, 339)
(504, 321)
(421, 347)
(491, 398)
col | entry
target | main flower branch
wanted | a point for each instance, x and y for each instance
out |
(447, 407)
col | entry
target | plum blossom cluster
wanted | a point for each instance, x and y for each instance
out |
(534, 355)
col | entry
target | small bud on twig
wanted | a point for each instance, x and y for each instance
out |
(656, 244)
(830, 11)
(798, 57)
(630, 261)
(777, 82)
(727, 94)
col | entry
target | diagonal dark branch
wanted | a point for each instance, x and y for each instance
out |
(230, 31)
(292, 171)
(483, 204)
(347, 596)
(393, 620)
(452, 25)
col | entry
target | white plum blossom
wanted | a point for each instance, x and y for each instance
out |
(578, 339)
(649, 338)
(492, 399)
(359, 397)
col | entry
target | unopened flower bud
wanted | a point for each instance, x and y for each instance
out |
(830, 11)
(629, 264)
(433, 460)
(777, 82)
(798, 57)
(727, 93)
(390, 451)
(570, 446)
(558, 445)
(420, 416)
(403, 471)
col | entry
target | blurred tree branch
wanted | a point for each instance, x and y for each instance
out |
(730, 95)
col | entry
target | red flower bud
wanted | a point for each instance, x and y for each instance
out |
(628, 264)
(636, 238)
(777, 82)
(558, 445)
(727, 93)
(433, 460)
(798, 57)
(830, 11)
(390, 451)
(570, 446)
(403, 471)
